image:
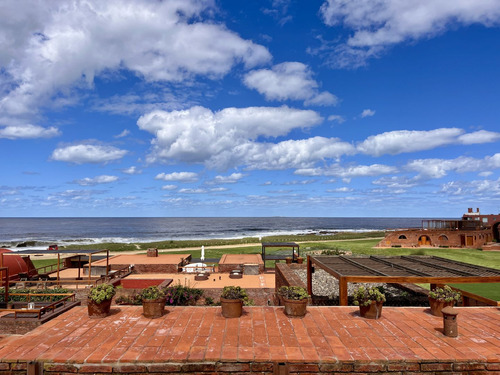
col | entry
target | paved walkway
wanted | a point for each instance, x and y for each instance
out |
(263, 334)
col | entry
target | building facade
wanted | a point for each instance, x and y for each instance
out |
(474, 230)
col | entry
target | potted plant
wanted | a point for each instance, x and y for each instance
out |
(370, 301)
(232, 300)
(295, 299)
(153, 302)
(99, 300)
(440, 298)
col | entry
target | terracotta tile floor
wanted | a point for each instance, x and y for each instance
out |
(261, 334)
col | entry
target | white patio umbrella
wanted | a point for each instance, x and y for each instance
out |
(202, 253)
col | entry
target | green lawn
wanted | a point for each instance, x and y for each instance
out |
(491, 291)
(43, 262)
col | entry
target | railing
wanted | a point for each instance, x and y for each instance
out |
(45, 309)
(48, 269)
(83, 281)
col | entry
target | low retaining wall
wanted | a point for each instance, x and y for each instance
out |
(262, 368)
(285, 275)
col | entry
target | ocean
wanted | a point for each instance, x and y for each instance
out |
(70, 231)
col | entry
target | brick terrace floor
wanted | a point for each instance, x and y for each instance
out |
(196, 334)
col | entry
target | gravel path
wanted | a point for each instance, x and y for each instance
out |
(325, 284)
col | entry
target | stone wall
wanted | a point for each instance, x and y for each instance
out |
(18, 327)
(150, 268)
(263, 368)
(285, 275)
(227, 268)
(438, 238)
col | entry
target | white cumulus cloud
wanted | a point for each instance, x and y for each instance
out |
(28, 131)
(220, 139)
(124, 133)
(231, 179)
(289, 81)
(192, 191)
(103, 179)
(54, 47)
(401, 141)
(348, 172)
(178, 176)
(481, 136)
(338, 118)
(379, 24)
(132, 170)
(480, 188)
(437, 168)
(367, 113)
(88, 153)
(169, 187)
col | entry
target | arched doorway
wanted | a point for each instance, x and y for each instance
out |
(496, 232)
(424, 241)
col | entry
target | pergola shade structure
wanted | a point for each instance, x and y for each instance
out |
(71, 253)
(291, 245)
(397, 269)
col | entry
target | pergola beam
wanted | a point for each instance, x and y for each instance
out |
(365, 274)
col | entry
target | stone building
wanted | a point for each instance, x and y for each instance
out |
(473, 230)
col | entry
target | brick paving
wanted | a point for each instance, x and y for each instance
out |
(262, 334)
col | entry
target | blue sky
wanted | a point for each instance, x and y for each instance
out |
(249, 108)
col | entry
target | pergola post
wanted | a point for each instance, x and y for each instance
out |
(6, 290)
(58, 266)
(90, 267)
(309, 276)
(343, 297)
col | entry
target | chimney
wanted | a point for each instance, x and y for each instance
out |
(469, 210)
(152, 252)
(477, 210)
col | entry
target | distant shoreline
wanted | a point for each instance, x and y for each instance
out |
(210, 243)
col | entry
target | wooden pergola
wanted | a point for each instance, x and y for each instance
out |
(292, 245)
(6, 286)
(71, 253)
(397, 269)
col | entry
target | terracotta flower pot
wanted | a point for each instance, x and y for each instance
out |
(153, 308)
(437, 305)
(231, 308)
(372, 311)
(300, 260)
(98, 310)
(295, 308)
(288, 260)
